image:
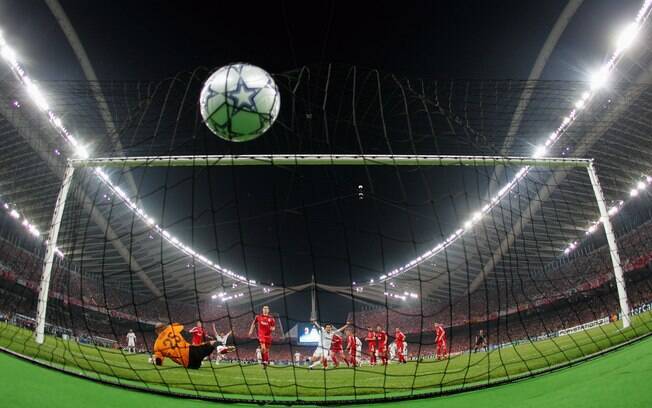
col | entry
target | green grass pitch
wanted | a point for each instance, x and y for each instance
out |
(283, 383)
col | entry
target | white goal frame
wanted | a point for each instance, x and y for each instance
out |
(320, 160)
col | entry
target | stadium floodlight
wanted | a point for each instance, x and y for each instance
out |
(82, 152)
(627, 36)
(9, 55)
(640, 185)
(539, 151)
(36, 95)
(599, 78)
(580, 104)
(633, 192)
(613, 210)
(14, 214)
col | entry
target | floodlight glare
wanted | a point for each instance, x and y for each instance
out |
(627, 36)
(599, 78)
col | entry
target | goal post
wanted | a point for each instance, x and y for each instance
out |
(325, 160)
(48, 262)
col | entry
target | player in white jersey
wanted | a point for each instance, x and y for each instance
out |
(297, 358)
(322, 352)
(392, 350)
(222, 348)
(131, 341)
(259, 355)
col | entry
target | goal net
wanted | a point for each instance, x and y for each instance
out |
(411, 216)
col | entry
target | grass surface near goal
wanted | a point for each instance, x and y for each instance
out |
(620, 378)
(286, 383)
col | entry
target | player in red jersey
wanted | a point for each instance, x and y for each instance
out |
(400, 345)
(440, 340)
(353, 348)
(199, 335)
(381, 344)
(337, 349)
(371, 345)
(266, 325)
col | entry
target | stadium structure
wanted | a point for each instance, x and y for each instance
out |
(515, 215)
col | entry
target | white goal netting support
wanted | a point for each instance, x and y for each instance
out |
(526, 163)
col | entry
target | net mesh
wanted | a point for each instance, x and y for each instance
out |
(323, 242)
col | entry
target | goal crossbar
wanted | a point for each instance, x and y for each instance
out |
(328, 159)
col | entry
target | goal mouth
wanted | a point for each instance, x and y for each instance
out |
(408, 295)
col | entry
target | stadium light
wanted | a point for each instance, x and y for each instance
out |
(540, 151)
(633, 192)
(599, 78)
(35, 94)
(640, 185)
(14, 214)
(9, 55)
(613, 210)
(82, 152)
(627, 36)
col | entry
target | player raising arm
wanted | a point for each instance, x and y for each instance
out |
(222, 348)
(323, 351)
(266, 325)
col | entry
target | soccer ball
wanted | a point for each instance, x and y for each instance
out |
(239, 102)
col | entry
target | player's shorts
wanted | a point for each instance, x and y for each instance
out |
(337, 350)
(197, 353)
(320, 352)
(131, 344)
(265, 341)
(222, 349)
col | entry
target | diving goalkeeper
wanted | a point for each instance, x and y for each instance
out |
(171, 343)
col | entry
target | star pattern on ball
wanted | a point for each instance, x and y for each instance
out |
(242, 97)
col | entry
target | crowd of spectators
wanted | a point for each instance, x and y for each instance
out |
(578, 290)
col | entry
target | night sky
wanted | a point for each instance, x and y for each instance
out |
(152, 40)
